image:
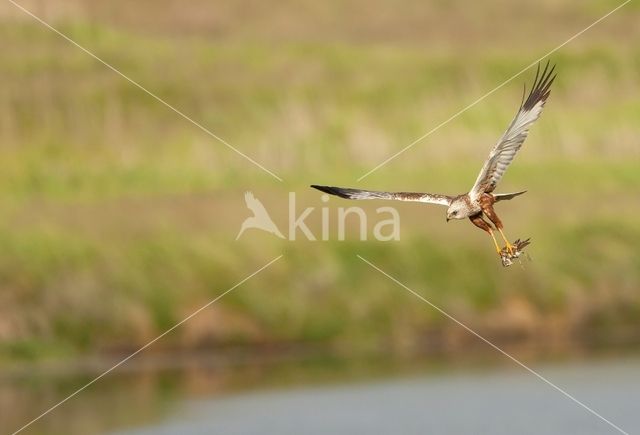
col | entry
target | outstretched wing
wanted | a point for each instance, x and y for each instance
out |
(372, 194)
(505, 150)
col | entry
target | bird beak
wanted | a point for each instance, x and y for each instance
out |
(448, 219)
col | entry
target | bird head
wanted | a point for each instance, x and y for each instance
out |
(456, 210)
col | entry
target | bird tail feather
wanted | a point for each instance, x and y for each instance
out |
(507, 196)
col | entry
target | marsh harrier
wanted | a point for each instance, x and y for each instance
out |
(478, 202)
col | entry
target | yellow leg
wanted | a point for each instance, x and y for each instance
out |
(509, 245)
(495, 242)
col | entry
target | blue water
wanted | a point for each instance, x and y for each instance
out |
(508, 400)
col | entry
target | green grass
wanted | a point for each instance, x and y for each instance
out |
(118, 217)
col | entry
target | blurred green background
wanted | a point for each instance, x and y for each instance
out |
(119, 217)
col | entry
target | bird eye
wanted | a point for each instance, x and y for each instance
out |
(455, 213)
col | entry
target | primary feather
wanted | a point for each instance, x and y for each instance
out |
(349, 193)
(505, 150)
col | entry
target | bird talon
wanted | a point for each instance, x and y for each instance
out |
(511, 249)
(509, 255)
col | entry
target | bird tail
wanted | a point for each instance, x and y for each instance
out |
(507, 196)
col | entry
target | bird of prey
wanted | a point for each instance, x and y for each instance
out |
(478, 202)
(260, 219)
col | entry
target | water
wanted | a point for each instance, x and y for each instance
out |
(357, 399)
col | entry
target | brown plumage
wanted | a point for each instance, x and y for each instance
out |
(480, 200)
(486, 203)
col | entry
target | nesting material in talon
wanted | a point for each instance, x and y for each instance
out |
(517, 249)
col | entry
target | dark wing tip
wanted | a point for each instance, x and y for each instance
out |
(331, 190)
(541, 88)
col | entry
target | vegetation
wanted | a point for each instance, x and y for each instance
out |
(118, 218)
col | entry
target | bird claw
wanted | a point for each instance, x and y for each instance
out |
(513, 251)
(510, 249)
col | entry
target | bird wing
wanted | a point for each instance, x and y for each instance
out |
(505, 150)
(397, 196)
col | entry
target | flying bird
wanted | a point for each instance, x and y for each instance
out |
(477, 204)
(260, 219)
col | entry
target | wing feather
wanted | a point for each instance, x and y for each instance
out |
(505, 150)
(348, 193)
